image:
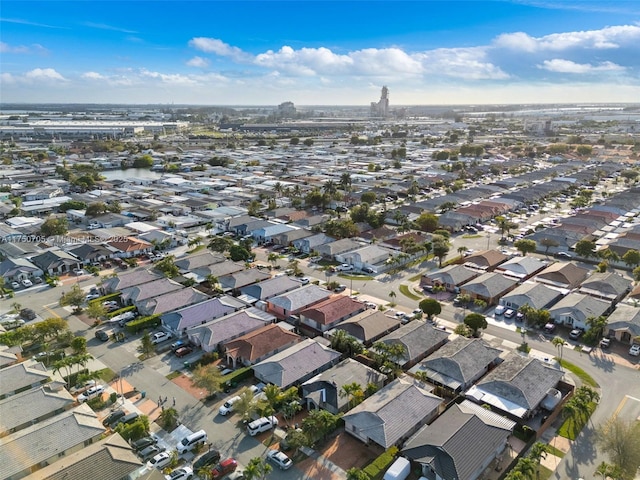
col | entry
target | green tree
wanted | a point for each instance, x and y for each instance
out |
(357, 474)
(308, 142)
(608, 470)
(79, 345)
(246, 405)
(430, 307)
(96, 310)
(636, 274)
(440, 247)
(144, 161)
(586, 248)
(368, 197)
(54, 226)
(240, 254)
(220, 244)
(620, 440)
(257, 468)
(74, 298)
(392, 296)
(631, 258)
(167, 266)
(96, 209)
(525, 246)
(353, 392)
(319, 423)
(475, 321)
(558, 342)
(254, 208)
(345, 343)
(146, 347)
(168, 419)
(207, 377)
(547, 243)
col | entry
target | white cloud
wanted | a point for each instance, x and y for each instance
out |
(214, 45)
(44, 74)
(22, 49)
(198, 62)
(93, 76)
(567, 66)
(102, 26)
(606, 38)
(464, 63)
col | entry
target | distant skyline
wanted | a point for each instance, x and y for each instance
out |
(320, 53)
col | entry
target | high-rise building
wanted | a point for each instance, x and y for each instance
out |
(381, 108)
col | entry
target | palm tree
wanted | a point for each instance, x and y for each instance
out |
(558, 342)
(272, 258)
(257, 469)
(329, 187)
(537, 453)
(392, 296)
(169, 418)
(345, 181)
(461, 250)
(272, 396)
(353, 391)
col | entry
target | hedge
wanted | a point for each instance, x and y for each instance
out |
(377, 468)
(111, 296)
(143, 323)
(237, 376)
(121, 310)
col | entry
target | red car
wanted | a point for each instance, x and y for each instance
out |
(182, 351)
(226, 466)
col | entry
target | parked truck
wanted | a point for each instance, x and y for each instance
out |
(399, 470)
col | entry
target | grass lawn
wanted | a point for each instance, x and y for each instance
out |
(355, 277)
(173, 375)
(555, 451)
(107, 374)
(415, 278)
(196, 249)
(404, 289)
(572, 426)
(578, 372)
(544, 472)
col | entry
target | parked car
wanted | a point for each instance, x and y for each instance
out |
(78, 271)
(102, 335)
(92, 296)
(499, 310)
(575, 333)
(144, 442)
(178, 344)
(304, 281)
(183, 352)
(113, 417)
(182, 473)
(127, 419)
(150, 451)
(208, 458)
(27, 283)
(92, 392)
(160, 461)
(563, 255)
(280, 459)
(224, 467)
(635, 350)
(509, 313)
(605, 342)
(550, 327)
(345, 267)
(160, 337)
(15, 285)
(227, 407)
(260, 425)
(340, 288)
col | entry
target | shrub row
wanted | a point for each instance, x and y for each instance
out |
(380, 464)
(121, 310)
(110, 296)
(239, 375)
(143, 323)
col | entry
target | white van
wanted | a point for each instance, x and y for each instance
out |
(189, 442)
(399, 470)
(227, 407)
(262, 425)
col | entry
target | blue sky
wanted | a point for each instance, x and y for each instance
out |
(320, 53)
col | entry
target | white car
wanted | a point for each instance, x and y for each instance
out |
(161, 460)
(92, 296)
(499, 310)
(635, 350)
(27, 283)
(280, 459)
(184, 473)
(227, 407)
(160, 337)
(78, 271)
(92, 392)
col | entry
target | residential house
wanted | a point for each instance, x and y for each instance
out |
(290, 236)
(129, 279)
(271, 232)
(326, 390)
(90, 253)
(536, 295)
(521, 268)
(368, 326)
(451, 277)
(130, 247)
(213, 335)
(108, 459)
(608, 286)
(330, 250)
(235, 281)
(179, 321)
(574, 310)
(293, 302)
(296, 364)
(443, 451)
(258, 345)
(311, 243)
(486, 260)
(419, 339)
(216, 270)
(44, 443)
(43, 403)
(139, 293)
(171, 301)
(489, 287)
(198, 260)
(268, 288)
(459, 363)
(55, 262)
(369, 256)
(517, 386)
(325, 315)
(21, 377)
(624, 324)
(392, 414)
(18, 269)
(563, 275)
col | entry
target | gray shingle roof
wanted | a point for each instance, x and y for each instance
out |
(269, 288)
(579, 306)
(536, 295)
(41, 402)
(625, 317)
(452, 275)
(22, 375)
(417, 337)
(232, 326)
(129, 279)
(30, 446)
(300, 298)
(392, 412)
(490, 285)
(139, 293)
(202, 312)
(458, 441)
